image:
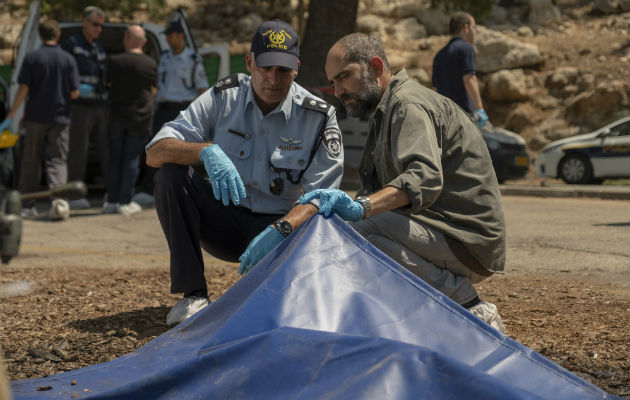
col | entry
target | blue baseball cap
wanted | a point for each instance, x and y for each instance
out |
(174, 26)
(275, 43)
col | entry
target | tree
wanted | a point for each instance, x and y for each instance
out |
(327, 22)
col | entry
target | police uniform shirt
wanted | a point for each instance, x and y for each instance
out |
(264, 148)
(180, 76)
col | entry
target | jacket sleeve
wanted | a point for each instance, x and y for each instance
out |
(416, 153)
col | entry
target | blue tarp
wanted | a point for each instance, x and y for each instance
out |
(324, 316)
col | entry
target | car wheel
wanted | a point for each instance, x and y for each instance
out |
(575, 169)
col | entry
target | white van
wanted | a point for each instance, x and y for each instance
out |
(112, 39)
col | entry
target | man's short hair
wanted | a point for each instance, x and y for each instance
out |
(458, 21)
(48, 30)
(89, 10)
(360, 48)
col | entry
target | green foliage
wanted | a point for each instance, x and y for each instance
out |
(477, 8)
(120, 9)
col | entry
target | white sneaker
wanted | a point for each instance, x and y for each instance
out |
(59, 210)
(186, 308)
(79, 204)
(130, 208)
(28, 212)
(110, 208)
(144, 199)
(488, 313)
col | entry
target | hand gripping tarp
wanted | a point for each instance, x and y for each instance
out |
(324, 316)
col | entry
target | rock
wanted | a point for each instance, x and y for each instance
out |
(399, 9)
(522, 117)
(370, 24)
(542, 12)
(594, 107)
(420, 75)
(496, 51)
(561, 77)
(606, 6)
(434, 20)
(507, 85)
(407, 30)
(525, 31)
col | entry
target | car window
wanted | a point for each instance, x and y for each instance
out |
(621, 129)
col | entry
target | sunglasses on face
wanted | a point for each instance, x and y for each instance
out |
(96, 24)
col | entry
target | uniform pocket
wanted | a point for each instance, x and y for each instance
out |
(236, 144)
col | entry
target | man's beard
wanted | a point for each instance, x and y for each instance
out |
(368, 97)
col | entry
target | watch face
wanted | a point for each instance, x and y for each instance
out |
(284, 227)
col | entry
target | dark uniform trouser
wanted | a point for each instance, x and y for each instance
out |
(192, 218)
(166, 111)
(88, 123)
(51, 141)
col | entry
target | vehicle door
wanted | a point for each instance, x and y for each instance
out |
(215, 57)
(28, 39)
(615, 155)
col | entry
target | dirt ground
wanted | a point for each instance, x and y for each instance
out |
(92, 303)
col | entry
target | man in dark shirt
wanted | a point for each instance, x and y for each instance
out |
(454, 68)
(89, 111)
(49, 78)
(133, 79)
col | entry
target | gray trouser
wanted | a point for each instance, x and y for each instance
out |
(50, 143)
(423, 251)
(88, 123)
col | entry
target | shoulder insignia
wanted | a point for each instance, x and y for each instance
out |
(316, 105)
(226, 83)
(332, 141)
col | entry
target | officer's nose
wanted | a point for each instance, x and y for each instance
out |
(339, 91)
(273, 75)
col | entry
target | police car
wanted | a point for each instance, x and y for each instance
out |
(588, 158)
(112, 39)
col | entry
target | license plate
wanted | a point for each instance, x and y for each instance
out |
(522, 161)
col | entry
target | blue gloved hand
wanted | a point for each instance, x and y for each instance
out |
(482, 117)
(6, 124)
(259, 247)
(335, 201)
(85, 89)
(226, 182)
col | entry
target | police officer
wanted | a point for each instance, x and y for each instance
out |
(89, 111)
(181, 78)
(262, 140)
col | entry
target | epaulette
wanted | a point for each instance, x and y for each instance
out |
(226, 83)
(316, 105)
(195, 57)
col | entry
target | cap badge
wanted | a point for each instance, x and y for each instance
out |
(277, 39)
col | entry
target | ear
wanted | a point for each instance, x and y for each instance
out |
(295, 71)
(249, 62)
(377, 64)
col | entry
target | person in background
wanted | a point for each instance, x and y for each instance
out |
(132, 76)
(48, 80)
(454, 68)
(262, 140)
(429, 198)
(89, 111)
(181, 78)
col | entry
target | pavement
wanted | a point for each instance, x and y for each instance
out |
(607, 192)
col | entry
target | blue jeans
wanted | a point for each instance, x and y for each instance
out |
(125, 149)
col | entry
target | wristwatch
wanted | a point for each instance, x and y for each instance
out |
(283, 227)
(367, 206)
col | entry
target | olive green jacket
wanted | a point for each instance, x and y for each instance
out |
(424, 144)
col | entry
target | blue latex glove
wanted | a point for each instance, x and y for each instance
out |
(226, 182)
(6, 124)
(259, 247)
(482, 117)
(335, 201)
(85, 89)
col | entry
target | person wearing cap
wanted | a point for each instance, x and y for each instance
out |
(235, 162)
(89, 111)
(181, 78)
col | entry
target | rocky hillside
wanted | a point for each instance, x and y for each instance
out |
(548, 69)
